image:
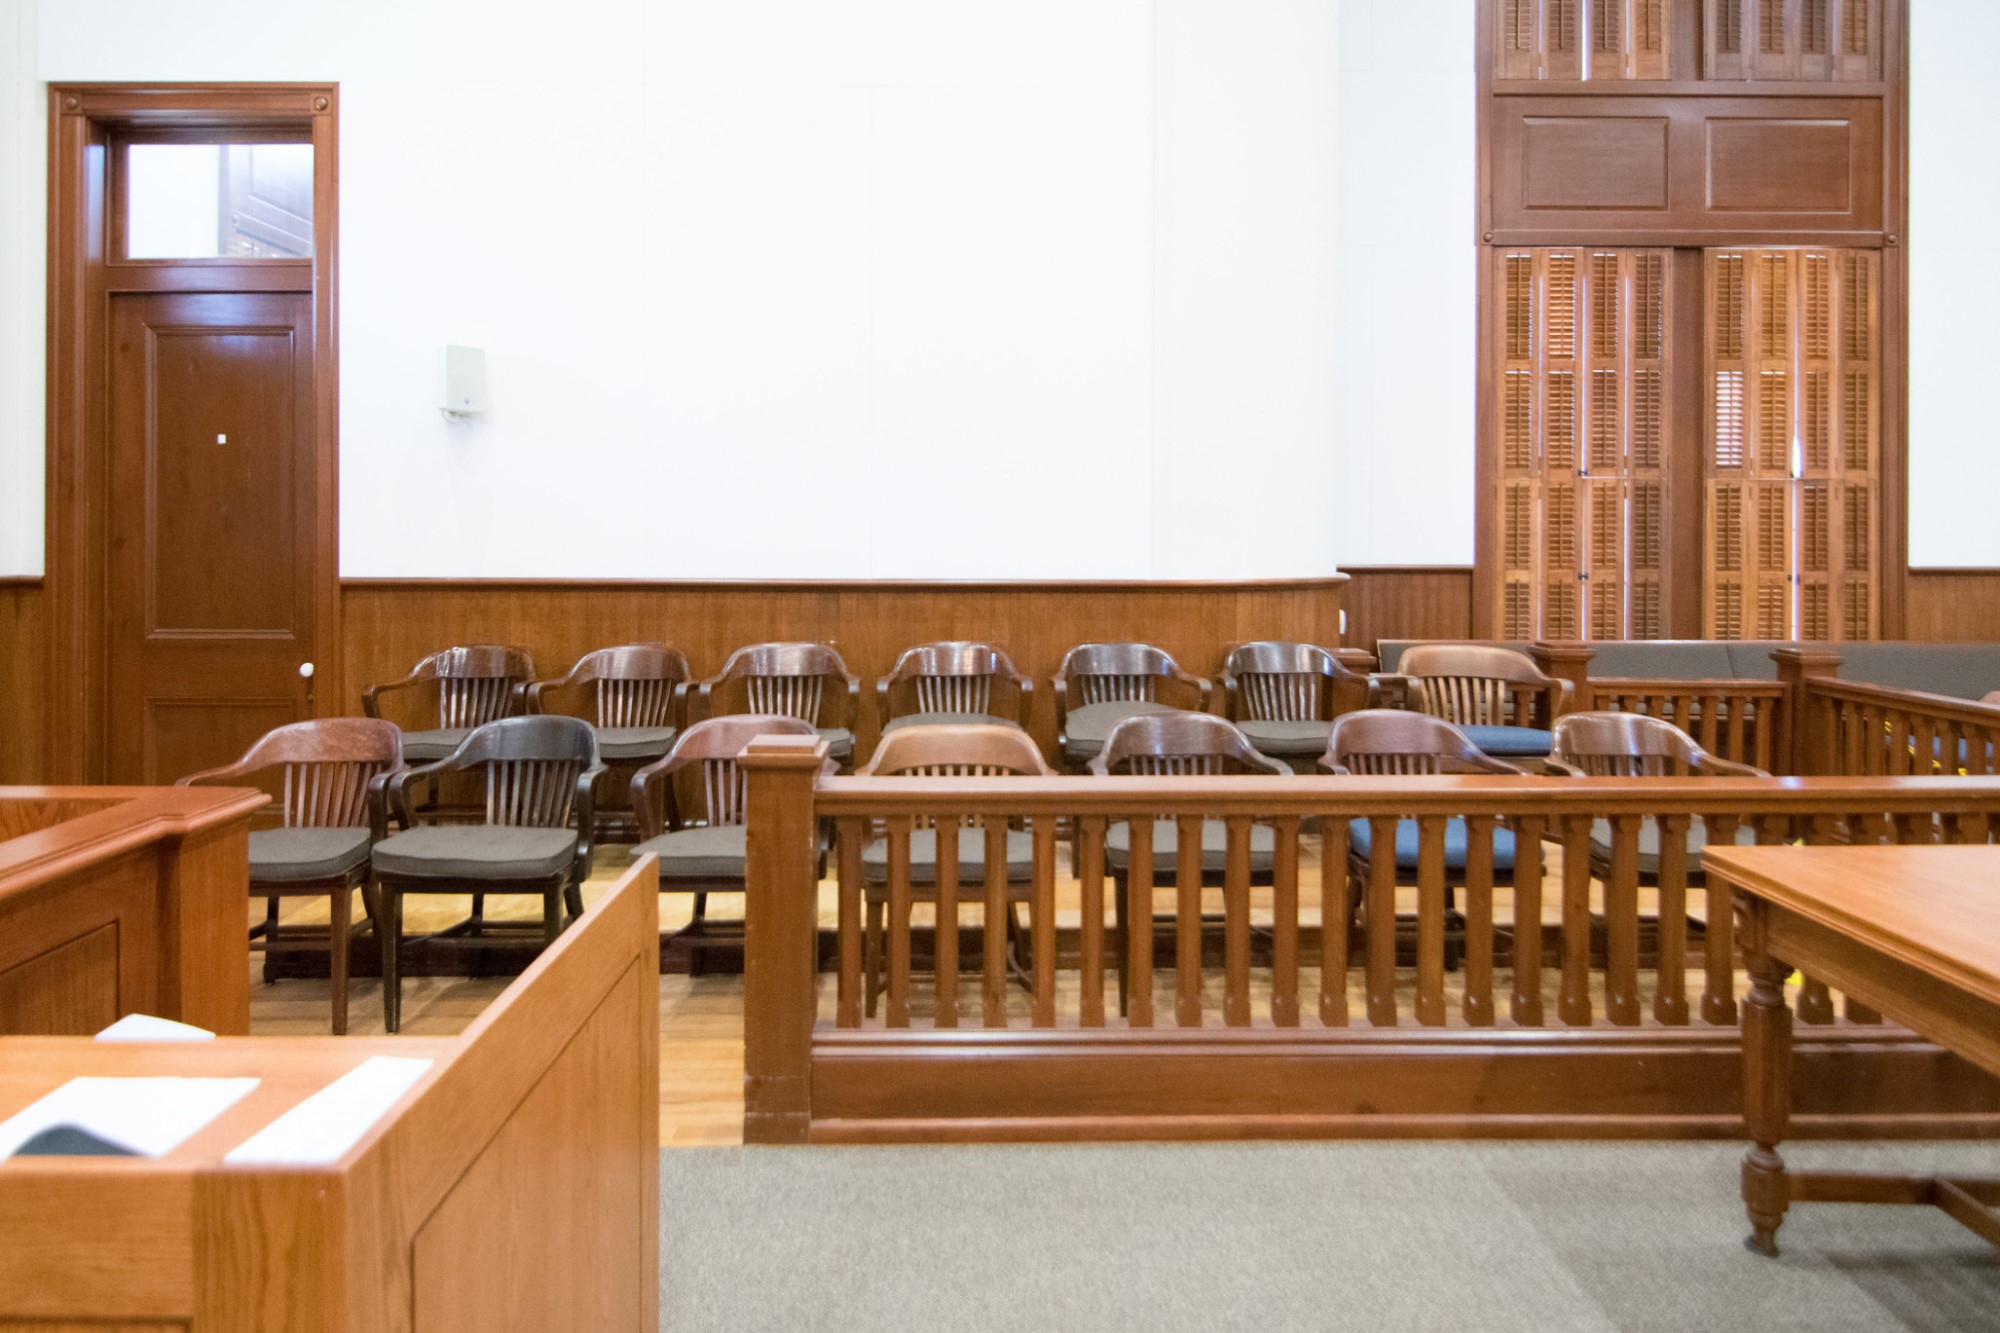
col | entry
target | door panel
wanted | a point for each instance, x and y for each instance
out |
(209, 581)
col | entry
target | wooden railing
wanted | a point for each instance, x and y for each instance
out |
(1740, 720)
(1876, 731)
(1261, 1035)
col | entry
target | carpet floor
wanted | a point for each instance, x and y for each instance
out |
(1467, 1237)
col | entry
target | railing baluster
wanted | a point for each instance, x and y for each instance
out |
(1718, 995)
(1478, 1003)
(1236, 923)
(1924, 754)
(1090, 871)
(1042, 921)
(945, 933)
(1736, 726)
(1187, 923)
(1382, 920)
(1573, 1004)
(1670, 1004)
(899, 922)
(1430, 921)
(1335, 911)
(1285, 921)
(1139, 924)
(1621, 923)
(1527, 951)
(998, 924)
(847, 1009)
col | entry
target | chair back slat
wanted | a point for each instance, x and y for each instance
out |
(724, 790)
(786, 696)
(530, 793)
(1117, 687)
(327, 794)
(953, 694)
(634, 703)
(1281, 696)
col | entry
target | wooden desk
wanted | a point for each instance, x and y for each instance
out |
(119, 900)
(1913, 932)
(515, 1186)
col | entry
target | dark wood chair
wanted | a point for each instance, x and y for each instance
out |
(945, 750)
(1389, 742)
(1100, 685)
(538, 774)
(1499, 698)
(330, 803)
(705, 855)
(1179, 744)
(1631, 745)
(634, 697)
(807, 681)
(475, 684)
(952, 682)
(1284, 697)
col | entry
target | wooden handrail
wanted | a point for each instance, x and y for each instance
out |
(1856, 728)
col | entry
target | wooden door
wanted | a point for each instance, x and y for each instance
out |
(210, 509)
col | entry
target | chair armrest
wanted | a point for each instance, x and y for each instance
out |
(882, 697)
(1562, 698)
(1393, 689)
(378, 807)
(853, 701)
(1337, 769)
(1229, 695)
(535, 689)
(1061, 688)
(1486, 763)
(1562, 769)
(654, 819)
(1729, 768)
(423, 671)
(585, 811)
(397, 787)
(213, 775)
(1098, 767)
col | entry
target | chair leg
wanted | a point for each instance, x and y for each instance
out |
(573, 900)
(270, 939)
(389, 899)
(700, 910)
(552, 918)
(339, 926)
(871, 955)
(476, 923)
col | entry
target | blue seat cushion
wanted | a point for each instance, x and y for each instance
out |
(1361, 838)
(1511, 742)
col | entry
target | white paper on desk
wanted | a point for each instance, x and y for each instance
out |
(151, 1116)
(320, 1129)
(145, 1027)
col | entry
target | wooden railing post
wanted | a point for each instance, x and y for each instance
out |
(1570, 662)
(1803, 742)
(780, 936)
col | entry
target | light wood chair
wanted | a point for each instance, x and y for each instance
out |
(1284, 697)
(475, 684)
(807, 681)
(952, 682)
(634, 697)
(1100, 685)
(330, 801)
(535, 837)
(1500, 699)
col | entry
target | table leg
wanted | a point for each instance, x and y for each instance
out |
(1767, 1093)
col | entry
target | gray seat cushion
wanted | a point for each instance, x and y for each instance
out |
(971, 857)
(1649, 843)
(698, 853)
(477, 852)
(282, 855)
(1662, 659)
(1167, 843)
(839, 742)
(1086, 727)
(949, 720)
(1292, 739)
(634, 742)
(424, 746)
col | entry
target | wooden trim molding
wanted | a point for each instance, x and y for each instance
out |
(835, 585)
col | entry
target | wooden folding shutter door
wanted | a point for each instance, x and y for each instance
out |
(1793, 39)
(1793, 470)
(1577, 39)
(1583, 424)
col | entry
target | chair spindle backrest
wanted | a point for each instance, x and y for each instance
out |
(1281, 696)
(724, 791)
(531, 793)
(786, 696)
(328, 794)
(953, 694)
(1118, 688)
(634, 703)
(480, 684)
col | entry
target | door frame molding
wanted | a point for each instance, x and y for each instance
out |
(82, 119)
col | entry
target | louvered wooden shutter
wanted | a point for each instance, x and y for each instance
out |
(1576, 39)
(1792, 466)
(1583, 426)
(1793, 39)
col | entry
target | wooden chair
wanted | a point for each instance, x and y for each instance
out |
(791, 680)
(1389, 742)
(635, 700)
(331, 805)
(949, 750)
(1284, 697)
(1113, 682)
(1499, 697)
(709, 855)
(476, 684)
(1179, 744)
(538, 775)
(1631, 745)
(952, 682)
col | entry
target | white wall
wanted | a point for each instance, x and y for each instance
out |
(1954, 283)
(23, 289)
(1048, 287)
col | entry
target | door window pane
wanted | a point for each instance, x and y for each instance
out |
(218, 201)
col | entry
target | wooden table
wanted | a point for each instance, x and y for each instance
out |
(1913, 932)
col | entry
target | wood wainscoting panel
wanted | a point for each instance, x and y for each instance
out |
(1407, 602)
(23, 674)
(1952, 606)
(390, 624)
(71, 988)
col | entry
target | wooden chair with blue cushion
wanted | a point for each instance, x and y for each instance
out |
(1499, 698)
(537, 774)
(1284, 697)
(807, 681)
(1100, 685)
(708, 854)
(953, 682)
(329, 780)
(1391, 742)
(634, 696)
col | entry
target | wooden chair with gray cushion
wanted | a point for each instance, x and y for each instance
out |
(1100, 685)
(1180, 744)
(1499, 698)
(329, 776)
(1284, 697)
(707, 854)
(949, 750)
(807, 681)
(1631, 745)
(474, 684)
(633, 694)
(952, 682)
(1390, 742)
(537, 774)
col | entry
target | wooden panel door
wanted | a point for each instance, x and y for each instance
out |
(209, 588)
